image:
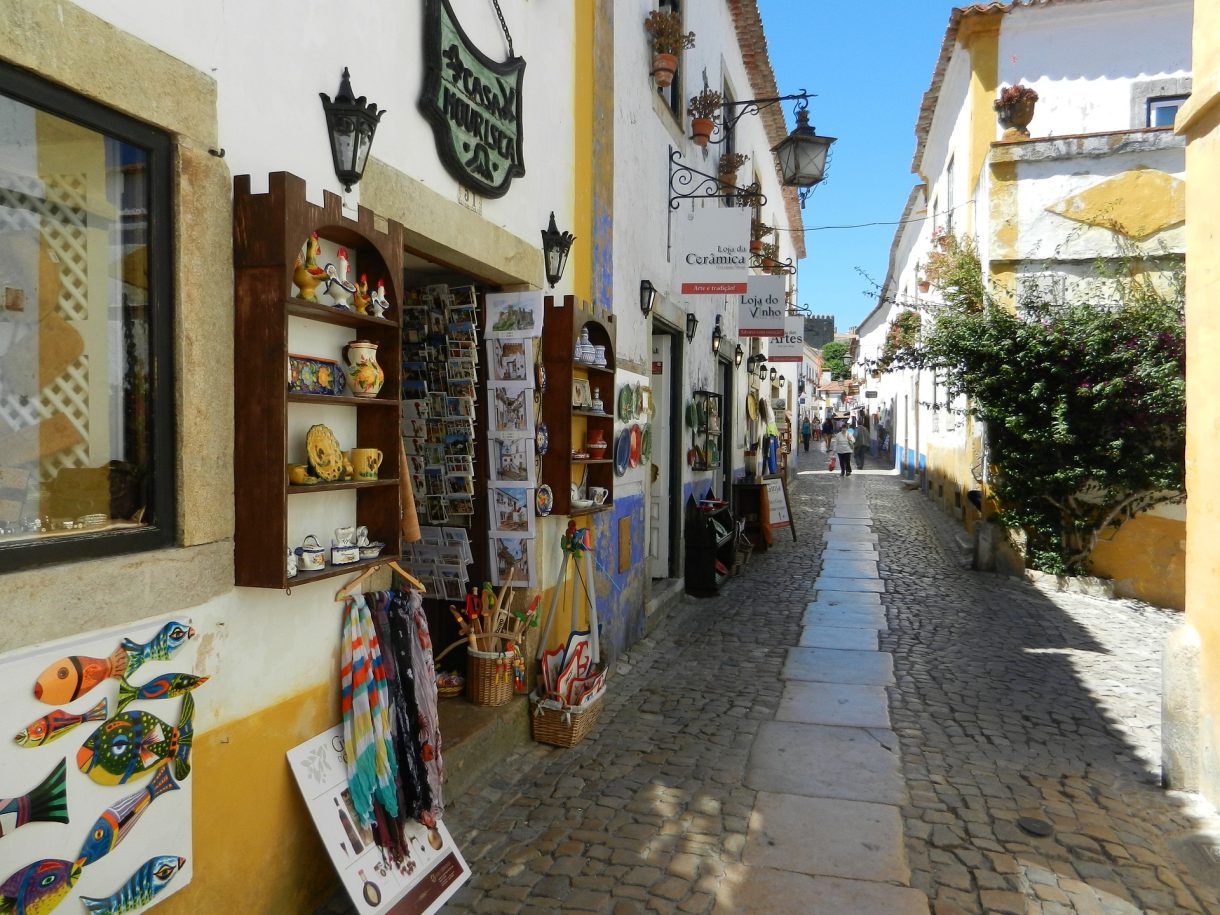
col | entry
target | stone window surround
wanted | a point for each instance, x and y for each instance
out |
(1143, 92)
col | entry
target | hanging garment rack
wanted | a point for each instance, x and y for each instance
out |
(345, 591)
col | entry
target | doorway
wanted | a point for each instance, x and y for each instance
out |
(665, 486)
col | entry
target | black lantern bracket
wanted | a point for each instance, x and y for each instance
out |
(686, 183)
(762, 262)
(735, 111)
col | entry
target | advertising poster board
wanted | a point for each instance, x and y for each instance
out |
(778, 514)
(762, 307)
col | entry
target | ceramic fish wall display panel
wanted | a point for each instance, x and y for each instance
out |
(38, 888)
(71, 677)
(47, 803)
(166, 686)
(56, 724)
(144, 884)
(116, 821)
(130, 744)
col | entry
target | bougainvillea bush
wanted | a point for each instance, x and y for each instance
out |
(1084, 400)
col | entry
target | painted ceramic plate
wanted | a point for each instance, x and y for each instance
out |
(312, 375)
(752, 406)
(622, 452)
(635, 445)
(625, 401)
(544, 499)
(639, 401)
(692, 415)
(541, 376)
(542, 438)
(646, 444)
(324, 455)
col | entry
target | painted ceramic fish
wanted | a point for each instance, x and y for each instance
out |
(128, 745)
(144, 884)
(70, 678)
(56, 724)
(116, 821)
(37, 888)
(165, 686)
(47, 803)
(159, 648)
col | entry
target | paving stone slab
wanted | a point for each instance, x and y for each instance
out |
(852, 510)
(826, 583)
(767, 891)
(852, 546)
(816, 760)
(849, 569)
(850, 521)
(828, 837)
(843, 704)
(854, 638)
(831, 598)
(835, 665)
(844, 618)
(845, 533)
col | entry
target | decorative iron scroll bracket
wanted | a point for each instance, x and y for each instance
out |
(735, 111)
(686, 183)
(762, 262)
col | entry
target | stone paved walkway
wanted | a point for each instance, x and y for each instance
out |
(745, 760)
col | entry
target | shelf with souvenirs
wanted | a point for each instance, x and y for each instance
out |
(704, 419)
(309, 279)
(711, 545)
(578, 358)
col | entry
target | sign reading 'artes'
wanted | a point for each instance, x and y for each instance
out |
(473, 104)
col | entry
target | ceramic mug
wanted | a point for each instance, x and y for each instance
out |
(599, 494)
(298, 474)
(365, 463)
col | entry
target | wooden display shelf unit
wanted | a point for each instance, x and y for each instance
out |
(567, 425)
(268, 232)
(705, 547)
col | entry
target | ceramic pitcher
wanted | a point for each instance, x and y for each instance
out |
(364, 375)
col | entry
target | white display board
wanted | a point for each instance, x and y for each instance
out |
(433, 873)
(163, 826)
(777, 504)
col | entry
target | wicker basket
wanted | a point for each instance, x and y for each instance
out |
(489, 676)
(563, 727)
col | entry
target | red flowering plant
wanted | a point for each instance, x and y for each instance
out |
(1013, 96)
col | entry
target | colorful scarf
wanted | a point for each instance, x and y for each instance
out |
(371, 766)
(412, 606)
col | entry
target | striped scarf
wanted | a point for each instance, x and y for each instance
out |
(365, 700)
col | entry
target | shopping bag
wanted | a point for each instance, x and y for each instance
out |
(834, 462)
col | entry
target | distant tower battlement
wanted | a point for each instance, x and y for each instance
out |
(819, 330)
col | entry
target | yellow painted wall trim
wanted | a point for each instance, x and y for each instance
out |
(980, 35)
(581, 258)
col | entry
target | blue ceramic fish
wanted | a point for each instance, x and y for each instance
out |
(47, 803)
(129, 744)
(165, 686)
(143, 885)
(37, 888)
(117, 820)
(159, 648)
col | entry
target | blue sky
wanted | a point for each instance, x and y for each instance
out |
(869, 64)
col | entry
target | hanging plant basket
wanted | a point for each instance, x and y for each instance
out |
(664, 66)
(701, 130)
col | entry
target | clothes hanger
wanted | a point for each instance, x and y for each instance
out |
(345, 591)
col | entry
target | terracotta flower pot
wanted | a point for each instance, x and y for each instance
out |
(756, 246)
(663, 68)
(728, 178)
(924, 285)
(701, 130)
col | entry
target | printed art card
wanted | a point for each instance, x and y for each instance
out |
(512, 360)
(513, 315)
(415, 409)
(460, 370)
(463, 297)
(513, 552)
(511, 509)
(463, 388)
(457, 537)
(512, 409)
(512, 461)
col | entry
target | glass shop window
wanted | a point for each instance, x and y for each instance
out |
(86, 423)
(672, 94)
(1162, 111)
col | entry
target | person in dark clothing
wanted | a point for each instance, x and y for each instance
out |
(806, 432)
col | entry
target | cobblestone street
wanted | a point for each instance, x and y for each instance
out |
(1006, 702)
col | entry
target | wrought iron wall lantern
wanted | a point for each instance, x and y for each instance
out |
(783, 379)
(802, 155)
(692, 324)
(738, 355)
(351, 123)
(648, 296)
(555, 247)
(762, 370)
(717, 337)
(773, 374)
(686, 183)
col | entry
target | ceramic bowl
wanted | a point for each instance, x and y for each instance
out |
(371, 550)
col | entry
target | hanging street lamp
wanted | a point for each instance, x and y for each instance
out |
(802, 155)
(555, 247)
(351, 124)
(648, 296)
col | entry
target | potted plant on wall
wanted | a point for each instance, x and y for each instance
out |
(704, 111)
(770, 256)
(727, 169)
(758, 231)
(1015, 108)
(668, 40)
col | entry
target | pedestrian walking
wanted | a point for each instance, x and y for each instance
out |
(806, 432)
(863, 437)
(828, 430)
(841, 444)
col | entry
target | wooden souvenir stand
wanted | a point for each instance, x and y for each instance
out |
(269, 231)
(711, 538)
(567, 425)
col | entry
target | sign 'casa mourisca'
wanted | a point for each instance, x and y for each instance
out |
(473, 104)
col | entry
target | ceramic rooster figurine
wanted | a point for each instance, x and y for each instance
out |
(338, 286)
(378, 304)
(362, 297)
(308, 275)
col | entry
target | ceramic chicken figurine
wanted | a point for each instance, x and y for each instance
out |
(378, 304)
(362, 297)
(308, 275)
(338, 286)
